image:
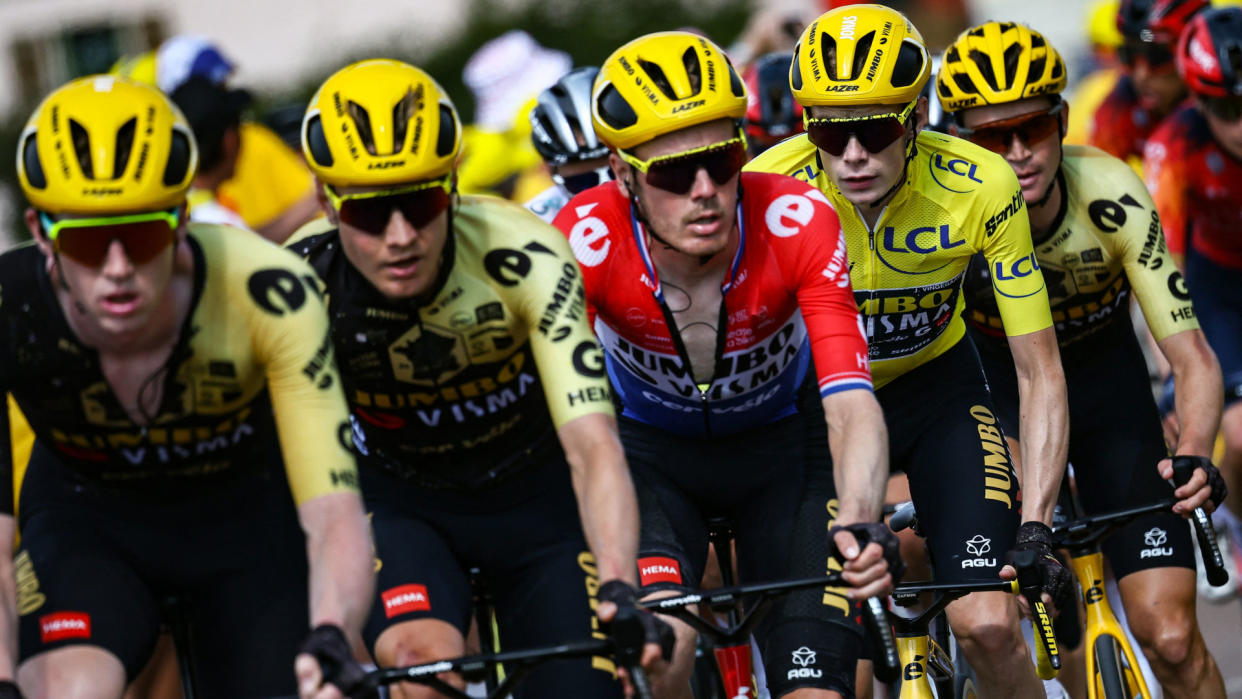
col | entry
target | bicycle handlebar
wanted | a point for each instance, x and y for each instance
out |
(1213, 562)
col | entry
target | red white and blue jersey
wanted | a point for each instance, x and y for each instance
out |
(787, 299)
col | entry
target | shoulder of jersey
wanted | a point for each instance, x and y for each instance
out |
(785, 158)
(958, 166)
(309, 231)
(1184, 128)
(17, 267)
(490, 221)
(1094, 169)
(239, 252)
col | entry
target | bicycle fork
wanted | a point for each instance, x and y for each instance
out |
(1101, 622)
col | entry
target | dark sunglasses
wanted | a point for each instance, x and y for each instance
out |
(1223, 108)
(874, 133)
(1028, 128)
(583, 181)
(370, 212)
(86, 240)
(1156, 56)
(676, 172)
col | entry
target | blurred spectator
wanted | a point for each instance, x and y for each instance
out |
(214, 112)
(772, 115)
(505, 75)
(1104, 39)
(271, 187)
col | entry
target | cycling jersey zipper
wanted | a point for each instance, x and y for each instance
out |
(675, 335)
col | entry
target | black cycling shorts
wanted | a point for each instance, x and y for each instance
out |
(774, 485)
(95, 567)
(943, 433)
(1115, 443)
(523, 534)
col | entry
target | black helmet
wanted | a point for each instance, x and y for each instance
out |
(561, 120)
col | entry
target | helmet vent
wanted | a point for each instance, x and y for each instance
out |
(362, 123)
(613, 110)
(317, 144)
(909, 65)
(82, 148)
(984, 64)
(655, 74)
(402, 112)
(1037, 67)
(124, 146)
(690, 59)
(735, 81)
(964, 83)
(178, 159)
(795, 71)
(448, 132)
(1058, 69)
(32, 164)
(1037, 41)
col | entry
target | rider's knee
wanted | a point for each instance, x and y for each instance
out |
(1168, 642)
(986, 635)
(71, 674)
(415, 642)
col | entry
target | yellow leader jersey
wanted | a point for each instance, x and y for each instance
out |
(958, 199)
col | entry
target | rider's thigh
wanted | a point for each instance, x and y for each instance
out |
(1160, 609)
(72, 672)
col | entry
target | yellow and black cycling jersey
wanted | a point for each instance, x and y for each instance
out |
(1107, 240)
(455, 391)
(958, 199)
(252, 362)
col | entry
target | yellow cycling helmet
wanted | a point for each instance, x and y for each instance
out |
(140, 68)
(1102, 24)
(857, 55)
(104, 144)
(380, 122)
(660, 83)
(997, 63)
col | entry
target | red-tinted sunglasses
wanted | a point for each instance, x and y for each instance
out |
(676, 172)
(1028, 128)
(370, 212)
(874, 133)
(86, 240)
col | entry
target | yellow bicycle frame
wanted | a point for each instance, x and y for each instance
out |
(1101, 622)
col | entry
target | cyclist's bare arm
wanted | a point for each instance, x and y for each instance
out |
(1044, 421)
(606, 500)
(338, 548)
(858, 440)
(1198, 401)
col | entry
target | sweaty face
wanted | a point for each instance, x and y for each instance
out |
(863, 177)
(402, 261)
(700, 221)
(1035, 162)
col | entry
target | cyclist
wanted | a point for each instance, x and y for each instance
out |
(1192, 172)
(915, 206)
(157, 362)
(1149, 89)
(560, 128)
(772, 115)
(1098, 241)
(478, 396)
(711, 305)
(214, 114)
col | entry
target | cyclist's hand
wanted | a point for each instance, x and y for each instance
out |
(658, 646)
(1206, 487)
(872, 556)
(325, 666)
(1058, 582)
(9, 690)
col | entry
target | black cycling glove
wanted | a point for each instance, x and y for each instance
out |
(330, 648)
(9, 690)
(655, 630)
(1037, 538)
(868, 532)
(1214, 480)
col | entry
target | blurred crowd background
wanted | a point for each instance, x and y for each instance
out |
(261, 60)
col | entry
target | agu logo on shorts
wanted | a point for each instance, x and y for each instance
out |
(404, 599)
(658, 569)
(64, 625)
